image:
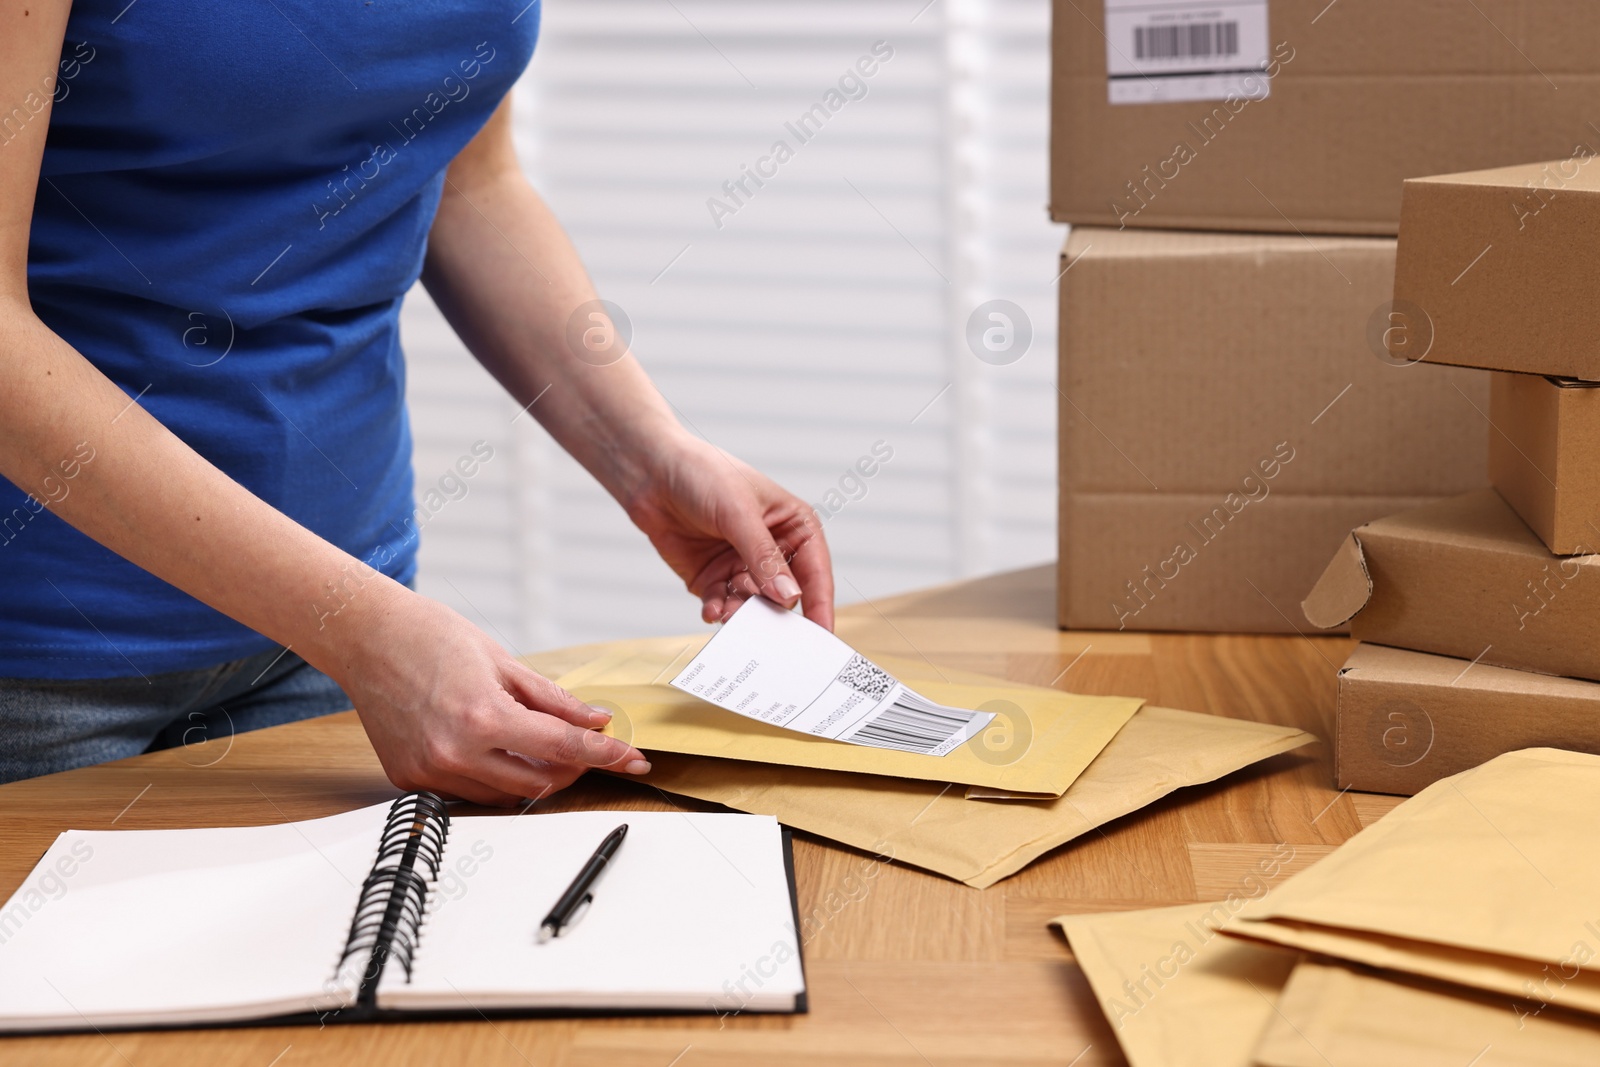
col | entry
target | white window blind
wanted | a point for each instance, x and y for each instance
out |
(802, 323)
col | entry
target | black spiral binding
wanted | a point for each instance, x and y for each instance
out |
(388, 918)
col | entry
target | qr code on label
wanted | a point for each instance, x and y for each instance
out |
(866, 677)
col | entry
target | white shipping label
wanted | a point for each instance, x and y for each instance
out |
(1182, 50)
(779, 667)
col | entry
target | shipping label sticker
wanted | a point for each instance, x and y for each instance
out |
(1182, 50)
(780, 668)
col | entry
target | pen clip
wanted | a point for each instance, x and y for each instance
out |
(578, 913)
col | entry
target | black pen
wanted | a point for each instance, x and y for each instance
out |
(578, 894)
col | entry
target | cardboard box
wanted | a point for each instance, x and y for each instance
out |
(1498, 268)
(1408, 719)
(1465, 577)
(1360, 94)
(1544, 456)
(1224, 423)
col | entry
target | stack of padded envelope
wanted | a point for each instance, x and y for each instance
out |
(1461, 928)
(1052, 765)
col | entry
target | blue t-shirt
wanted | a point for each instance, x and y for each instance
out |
(231, 206)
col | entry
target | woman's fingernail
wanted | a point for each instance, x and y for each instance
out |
(637, 766)
(786, 586)
(600, 713)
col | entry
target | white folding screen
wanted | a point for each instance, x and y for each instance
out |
(831, 307)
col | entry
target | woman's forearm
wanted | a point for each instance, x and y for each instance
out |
(99, 461)
(510, 283)
(508, 280)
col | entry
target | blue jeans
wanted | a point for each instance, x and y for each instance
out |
(48, 725)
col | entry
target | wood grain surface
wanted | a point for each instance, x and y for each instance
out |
(904, 968)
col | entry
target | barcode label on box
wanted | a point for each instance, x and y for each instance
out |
(1203, 39)
(1183, 50)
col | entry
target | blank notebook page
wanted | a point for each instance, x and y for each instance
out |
(693, 912)
(176, 926)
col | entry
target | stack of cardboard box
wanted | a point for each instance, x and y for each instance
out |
(1229, 407)
(1489, 603)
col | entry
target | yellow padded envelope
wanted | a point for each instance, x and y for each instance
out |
(1333, 1015)
(1489, 878)
(979, 842)
(1177, 993)
(1039, 743)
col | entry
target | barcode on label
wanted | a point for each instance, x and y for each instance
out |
(913, 724)
(1190, 40)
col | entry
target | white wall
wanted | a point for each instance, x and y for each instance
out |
(829, 312)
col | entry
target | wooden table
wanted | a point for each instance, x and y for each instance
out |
(918, 971)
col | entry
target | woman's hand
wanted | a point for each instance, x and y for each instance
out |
(448, 710)
(730, 532)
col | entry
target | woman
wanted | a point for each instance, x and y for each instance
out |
(208, 513)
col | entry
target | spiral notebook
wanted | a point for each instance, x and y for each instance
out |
(399, 911)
